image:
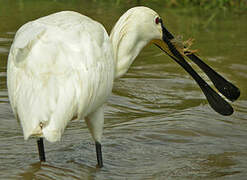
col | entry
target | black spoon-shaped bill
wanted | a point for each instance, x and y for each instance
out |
(229, 90)
(215, 100)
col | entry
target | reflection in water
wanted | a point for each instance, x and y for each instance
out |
(31, 171)
(47, 171)
(158, 123)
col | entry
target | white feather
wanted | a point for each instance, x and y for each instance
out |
(63, 66)
(54, 71)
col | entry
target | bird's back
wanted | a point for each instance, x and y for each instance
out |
(60, 66)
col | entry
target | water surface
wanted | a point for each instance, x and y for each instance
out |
(158, 124)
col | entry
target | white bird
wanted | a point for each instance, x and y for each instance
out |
(62, 67)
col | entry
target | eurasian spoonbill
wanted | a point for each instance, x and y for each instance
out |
(63, 66)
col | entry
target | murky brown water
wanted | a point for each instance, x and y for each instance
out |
(158, 124)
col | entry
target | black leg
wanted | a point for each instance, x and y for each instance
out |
(99, 154)
(41, 149)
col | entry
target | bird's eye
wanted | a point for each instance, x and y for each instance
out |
(157, 20)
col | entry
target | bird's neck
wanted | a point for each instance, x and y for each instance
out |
(127, 44)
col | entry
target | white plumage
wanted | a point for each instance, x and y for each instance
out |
(60, 66)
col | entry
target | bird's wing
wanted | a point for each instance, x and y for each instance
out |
(52, 67)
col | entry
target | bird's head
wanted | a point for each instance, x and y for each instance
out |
(147, 25)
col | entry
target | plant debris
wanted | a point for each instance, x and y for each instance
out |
(183, 46)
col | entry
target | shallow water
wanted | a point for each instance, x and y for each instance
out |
(158, 124)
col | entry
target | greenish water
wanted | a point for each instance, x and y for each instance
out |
(158, 124)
